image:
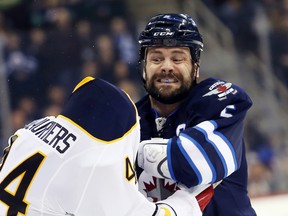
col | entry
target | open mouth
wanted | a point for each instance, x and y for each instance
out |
(167, 80)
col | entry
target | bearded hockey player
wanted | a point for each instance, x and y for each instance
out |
(201, 123)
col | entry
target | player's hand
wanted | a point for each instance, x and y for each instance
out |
(152, 157)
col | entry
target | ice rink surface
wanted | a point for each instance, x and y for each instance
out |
(271, 205)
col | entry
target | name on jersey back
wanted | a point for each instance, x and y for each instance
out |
(52, 133)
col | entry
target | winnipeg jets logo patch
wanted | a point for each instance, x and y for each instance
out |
(221, 89)
(156, 189)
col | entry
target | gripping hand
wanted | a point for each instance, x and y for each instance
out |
(152, 157)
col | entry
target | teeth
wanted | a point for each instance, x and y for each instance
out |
(166, 80)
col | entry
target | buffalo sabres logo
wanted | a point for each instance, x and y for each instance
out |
(221, 89)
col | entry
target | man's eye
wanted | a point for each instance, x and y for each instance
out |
(156, 59)
(178, 60)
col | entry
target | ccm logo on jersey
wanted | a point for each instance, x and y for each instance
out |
(221, 89)
(52, 133)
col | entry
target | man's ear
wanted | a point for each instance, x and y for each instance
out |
(195, 71)
(144, 74)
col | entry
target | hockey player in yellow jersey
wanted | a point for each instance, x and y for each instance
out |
(81, 162)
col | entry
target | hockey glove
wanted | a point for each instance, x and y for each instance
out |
(152, 157)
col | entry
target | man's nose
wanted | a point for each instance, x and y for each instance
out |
(167, 66)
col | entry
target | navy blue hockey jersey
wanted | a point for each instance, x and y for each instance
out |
(205, 145)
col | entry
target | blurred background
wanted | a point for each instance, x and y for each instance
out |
(48, 46)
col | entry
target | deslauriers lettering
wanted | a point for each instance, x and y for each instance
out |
(52, 133)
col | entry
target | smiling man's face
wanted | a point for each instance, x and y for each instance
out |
(168, 73)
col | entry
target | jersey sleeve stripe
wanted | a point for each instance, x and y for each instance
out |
(221, 145)
(169, 159)
(234, 166)
(198, 159)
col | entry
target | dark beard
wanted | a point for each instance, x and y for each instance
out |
(172, 98)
